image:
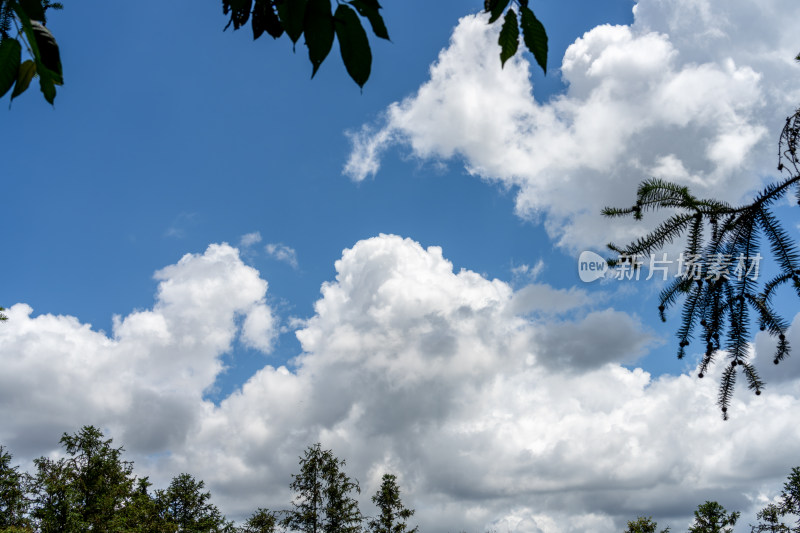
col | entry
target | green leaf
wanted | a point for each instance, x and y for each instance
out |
(48, 51)
(292, 14)
(47, 85)
(534, 36)
(24, 77)
(353, 43)
(369, 9)
(10, 57)
(265, 19)
(509, 37)
(495, 7)
(33, 8)
(239, 10)
(319, 32)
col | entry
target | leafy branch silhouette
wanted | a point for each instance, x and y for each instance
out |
(720, 236)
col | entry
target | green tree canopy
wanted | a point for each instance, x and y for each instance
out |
(769, 521)
(770, 517)
(14, 505)
(187, 506)
(261, 521)
(644, 525)
(711, 517)
(323, 501)
(393, 515)
(86, 489)
(93, 489)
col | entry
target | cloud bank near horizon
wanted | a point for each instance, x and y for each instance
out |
(484, 411)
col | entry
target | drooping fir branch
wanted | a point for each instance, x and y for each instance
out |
(721, 292)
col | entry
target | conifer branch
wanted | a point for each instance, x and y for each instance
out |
(720, 237)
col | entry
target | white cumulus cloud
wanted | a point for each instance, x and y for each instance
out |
(148, 377)
(693, 91)
(284, 253)
(492, 414)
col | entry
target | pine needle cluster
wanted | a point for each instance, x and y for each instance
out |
(720, 237)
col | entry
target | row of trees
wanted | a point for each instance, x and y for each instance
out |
(711, 517)
(92, 488)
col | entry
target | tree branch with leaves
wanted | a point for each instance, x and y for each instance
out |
(22, 27)
(720, 236)
(321, 25)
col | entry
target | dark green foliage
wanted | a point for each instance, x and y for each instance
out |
(56, 503)
(369, 10)
(323, 501)
(509, 37)
(790, 496)
(86, 489)
(711, 517)
(769, 521)
(2, 316)
(307, 486)
(291, 14)
(186, 505)
(722, 294)
(93, 489)
(142, 513)
(239, 11)
(788, 505)
(533, 32)
(14, 504)
(313, 19)
(353, 44)
(643, 525)
(10, 59)
(100, 478)
(393, 514)
(534, 36)
(265, 19)
(319, 32)
(495, 8)
(341, 509)
(261, 521)
(22, 26)
(25, 74)
(23, 22)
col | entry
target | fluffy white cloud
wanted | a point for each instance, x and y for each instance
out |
(148, 378)
(694, 91)
(249, 239)
(284, 253)
(491, 416)
(496, 407)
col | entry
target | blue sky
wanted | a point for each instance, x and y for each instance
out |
(163, 145)
(171, 135)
